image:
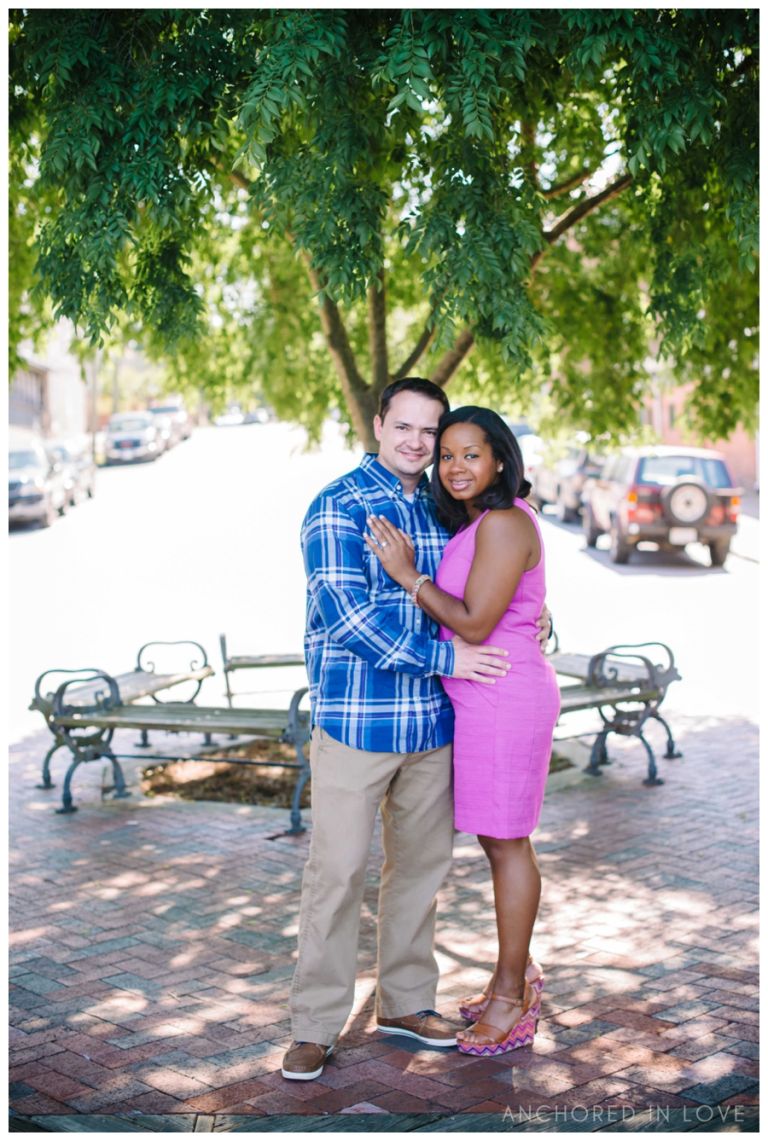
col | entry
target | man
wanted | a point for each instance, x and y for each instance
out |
(382, 731)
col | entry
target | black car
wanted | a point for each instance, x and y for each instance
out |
(669, 495)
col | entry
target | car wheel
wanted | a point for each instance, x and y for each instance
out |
(565, 513)
(50, 514)
(591, 531)
(718, 551)
(620, 548)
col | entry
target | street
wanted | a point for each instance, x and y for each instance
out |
(205, 541)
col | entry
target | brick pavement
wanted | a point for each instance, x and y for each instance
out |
(152, 943)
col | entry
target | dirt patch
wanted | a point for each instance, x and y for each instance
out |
(228, 780)
(234, 783)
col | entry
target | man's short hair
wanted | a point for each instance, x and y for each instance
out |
(412, 384)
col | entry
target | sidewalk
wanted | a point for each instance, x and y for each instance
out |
(152, 945)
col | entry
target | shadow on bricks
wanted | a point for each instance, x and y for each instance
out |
(152, 945)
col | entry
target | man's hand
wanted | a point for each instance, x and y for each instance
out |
(544, 624)
(478, 663)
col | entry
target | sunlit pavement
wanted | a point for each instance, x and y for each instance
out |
(153, 943)
(152, 940)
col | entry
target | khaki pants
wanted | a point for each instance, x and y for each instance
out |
(348, 785)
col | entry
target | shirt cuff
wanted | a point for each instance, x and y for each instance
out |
(444, 658)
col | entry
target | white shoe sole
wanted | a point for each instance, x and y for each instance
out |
(446, 1042)
(292, 1076)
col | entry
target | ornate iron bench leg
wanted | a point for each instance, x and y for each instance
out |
(66, 794)
(143, 741)
(297, 736)
(303, 776)
(598, 755)
(653, 776)
(120, 791)
(672, 752)
(46, 781)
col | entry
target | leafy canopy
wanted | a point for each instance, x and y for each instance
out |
(316, 201)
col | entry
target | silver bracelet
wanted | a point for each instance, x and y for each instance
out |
(417, 587)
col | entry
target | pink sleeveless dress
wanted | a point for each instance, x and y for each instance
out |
(503, 737)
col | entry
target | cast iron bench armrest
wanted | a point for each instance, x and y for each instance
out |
(626, 684)
(142, 681)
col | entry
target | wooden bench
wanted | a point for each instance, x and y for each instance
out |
(85, 710)
(231, 664)
(626, 684)
(622, 683)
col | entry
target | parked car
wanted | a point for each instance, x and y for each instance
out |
(167, 431)
(532, 450)
(78, 468)
(182, 428)
(669, 495)
(132, 436)
(559, 479)
(37, 489)
(256, 416)
(232, 418)
(518, 428)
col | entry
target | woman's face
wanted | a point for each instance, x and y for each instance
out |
(467, 465)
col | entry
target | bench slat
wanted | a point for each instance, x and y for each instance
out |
(181, 717)
(573, 697)
(577, 665)
(257, 661)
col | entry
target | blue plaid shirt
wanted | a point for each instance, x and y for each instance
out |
(373, 658)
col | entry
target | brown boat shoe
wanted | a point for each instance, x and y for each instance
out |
(304, 1061)
(427, 1026)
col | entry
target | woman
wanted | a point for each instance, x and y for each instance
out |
(490, 588)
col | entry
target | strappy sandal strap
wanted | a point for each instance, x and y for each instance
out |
(483, 996)
(479, 1027)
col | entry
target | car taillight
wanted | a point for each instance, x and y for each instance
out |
(631, 501)
(732, 508)
(643, 505)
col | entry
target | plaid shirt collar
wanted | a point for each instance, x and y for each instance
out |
(386, 481)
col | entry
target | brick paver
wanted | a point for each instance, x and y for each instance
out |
(152, 942)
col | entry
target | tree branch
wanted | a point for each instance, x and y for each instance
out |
(240, 181)
(358, 395)
(421, 347)
(451, 360)
(377, 333)
(581, 210)
(568, 184)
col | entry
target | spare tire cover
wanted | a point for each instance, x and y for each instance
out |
(686, 502)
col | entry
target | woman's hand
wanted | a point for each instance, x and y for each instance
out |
(394, 550)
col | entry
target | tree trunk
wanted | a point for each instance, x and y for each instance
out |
(359, 396)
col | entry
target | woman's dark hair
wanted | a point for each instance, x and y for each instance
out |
(511, 483)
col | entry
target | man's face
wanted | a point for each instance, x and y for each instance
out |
(407, 434)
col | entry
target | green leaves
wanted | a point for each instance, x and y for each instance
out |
(184, 168)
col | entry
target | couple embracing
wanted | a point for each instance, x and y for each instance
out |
(431, 702)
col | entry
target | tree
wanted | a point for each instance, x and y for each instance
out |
(327, 199)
